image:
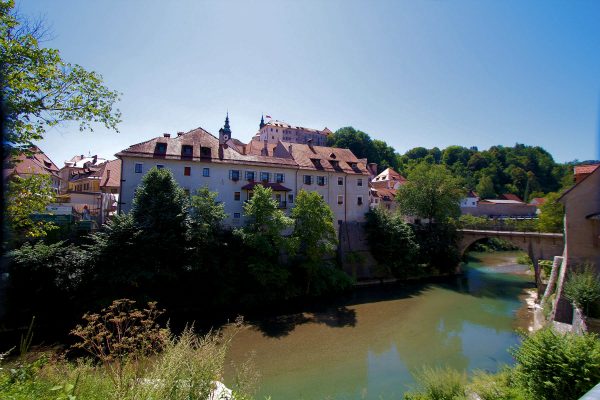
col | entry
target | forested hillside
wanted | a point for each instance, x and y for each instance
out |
(527, 171)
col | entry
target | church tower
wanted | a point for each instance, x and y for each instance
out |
(225, 131)
(262, 121)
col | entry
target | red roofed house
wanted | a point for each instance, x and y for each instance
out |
(384, 187)
(34, 163)
(582, 218)
(233, 169)
(582, 171)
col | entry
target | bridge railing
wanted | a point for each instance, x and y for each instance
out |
(500, 224)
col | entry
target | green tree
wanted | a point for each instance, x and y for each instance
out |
(263, 233)
(27, 196)
(358, 141)
(40, 90)
(206, 215)
(314, 233)
(392, 243)
(485, 188)
(551, 214)
(431, 192)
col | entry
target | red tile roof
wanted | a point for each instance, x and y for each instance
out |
(510, 196)
(110, 174)
(384, 193)
(302, 156)
(538, 201)
(35, 163)
(585, 169)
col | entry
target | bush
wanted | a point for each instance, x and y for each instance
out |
(498, 386)
(583, 287)
(557, 366)
(439, 384)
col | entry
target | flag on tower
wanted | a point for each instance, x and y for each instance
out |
(268, 116)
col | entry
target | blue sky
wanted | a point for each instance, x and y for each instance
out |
(412, 73)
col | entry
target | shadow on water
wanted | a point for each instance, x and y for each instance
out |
(335, 313)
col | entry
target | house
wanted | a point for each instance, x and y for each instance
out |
(275, 131)
(33, 162)
(233, 169)
(76, 169)
(501, 208)
(383, 189)
(470, 200)
(582, 217)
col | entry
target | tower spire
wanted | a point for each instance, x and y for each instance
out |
(227, 128)
(262, 121)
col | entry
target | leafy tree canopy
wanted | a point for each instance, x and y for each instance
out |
(40, 89)
(431, 192)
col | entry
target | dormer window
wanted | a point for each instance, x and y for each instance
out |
(205, 151)
(335, 164)
(332, 155)
(187, 150)
(317, 163)
(161, 148)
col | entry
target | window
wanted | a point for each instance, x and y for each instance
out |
(308, 179)
(279, 178)
(205, 151)
(359, 182)
(236, 196)
(264, 176)
(236, 215)
(205, 171)
(340, 199)
(290, 198)
(249, 175)
(187, 150)
(359, 200)
(159, 166)
(340, 181)
(161, 148)
(234, 174)
(321, 180)
(187, 171)
(138, 168)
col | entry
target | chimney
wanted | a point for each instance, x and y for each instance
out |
(167, 135)
(179, 134)
(107, 177)
(372, 168)
(94, 159)
(290, 149)
(310, 145)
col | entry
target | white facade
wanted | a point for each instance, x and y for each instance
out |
(232, 174)
(274, 131)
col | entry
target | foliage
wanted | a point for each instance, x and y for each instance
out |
(431, 193)
(583, 286)
(557, 366)
(187, 367)
(524, 259)
(392, 243)
(53, 272)
(40, 90)
(499, 386)
(361, 144)
(546, 267)
(26, 196)
(439, 384)
(314, 232)
(551, 214)
(121, 333)
(438, 247)
(485, 188)
(206, 215)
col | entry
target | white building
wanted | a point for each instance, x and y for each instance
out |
(383, 189)
(470, 200)
(232, 169)
(278, 131)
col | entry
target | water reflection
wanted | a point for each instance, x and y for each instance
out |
(367, 347)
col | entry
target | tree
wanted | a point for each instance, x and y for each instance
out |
(40, 89)
(392, 243)
(551, 214)
(431, 192)
(263, 234)
(206, 215)
(313, 231)
(27, 196)
(359, 142)
(485, 188)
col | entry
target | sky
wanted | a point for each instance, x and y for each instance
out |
(411, 73)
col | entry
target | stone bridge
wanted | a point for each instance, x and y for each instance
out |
(538, 245)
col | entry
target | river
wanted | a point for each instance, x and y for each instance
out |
(366, 345)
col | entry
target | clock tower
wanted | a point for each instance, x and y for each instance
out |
(225, 131)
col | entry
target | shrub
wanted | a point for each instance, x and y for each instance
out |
(498, 386)
(583, 287)
(556, 366)
(439, 384)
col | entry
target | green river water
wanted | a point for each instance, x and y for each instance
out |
(366, 345)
